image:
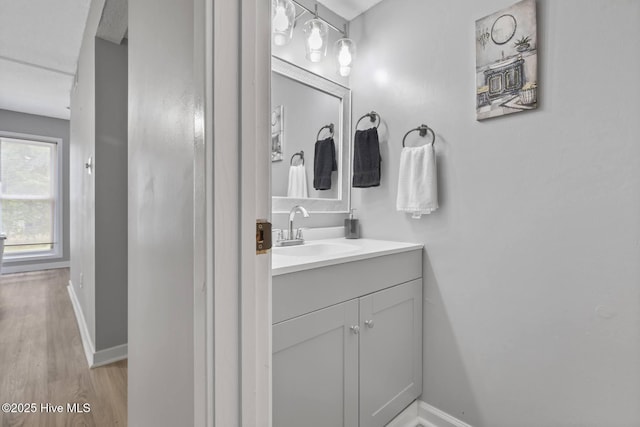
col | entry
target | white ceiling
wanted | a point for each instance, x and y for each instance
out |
(40, 43)
(349, 9)
(39, 47)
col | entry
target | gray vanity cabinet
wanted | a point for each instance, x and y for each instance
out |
(347, 342)
(390, 352)
(315, 369)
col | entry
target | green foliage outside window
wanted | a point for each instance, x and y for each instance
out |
(27, 202)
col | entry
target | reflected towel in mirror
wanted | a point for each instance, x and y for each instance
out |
(297, 182)
(324, 162)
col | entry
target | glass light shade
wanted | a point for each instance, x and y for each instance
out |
(316, 33)
(345, 51)
(283, 16)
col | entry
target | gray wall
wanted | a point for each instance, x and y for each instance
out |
(161, 164)
(306, 110)
(111, 194)
(11, 121)
(531, 265)
(99, 201)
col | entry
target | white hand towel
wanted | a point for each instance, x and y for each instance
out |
(417, 182)
(297, 182)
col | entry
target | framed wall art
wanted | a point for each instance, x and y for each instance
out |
(507, 61)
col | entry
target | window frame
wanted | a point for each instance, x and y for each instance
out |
(58, 197)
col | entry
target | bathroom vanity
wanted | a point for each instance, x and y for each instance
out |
(347, 314)
(347, 332)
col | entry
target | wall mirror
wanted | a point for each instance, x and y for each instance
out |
(303, 106)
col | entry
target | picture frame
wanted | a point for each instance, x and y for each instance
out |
(507, 61)
(277, 133)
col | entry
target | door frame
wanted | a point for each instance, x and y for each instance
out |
(232, 292)
(255, 165)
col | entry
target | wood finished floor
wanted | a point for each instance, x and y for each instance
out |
(42, 359)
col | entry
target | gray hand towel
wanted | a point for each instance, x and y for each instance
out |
(366, 158)
(324, 162)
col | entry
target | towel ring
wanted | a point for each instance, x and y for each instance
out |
(301, 154)
(422, 129)
(372, 116)
(329, 126)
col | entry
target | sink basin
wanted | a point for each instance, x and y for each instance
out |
(331, 251)
(315, 249)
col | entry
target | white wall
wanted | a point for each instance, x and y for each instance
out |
(99, 201)
(531, 267)
(161, 213)
(11, 121)
(82, 185)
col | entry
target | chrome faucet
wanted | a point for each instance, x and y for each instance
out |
(294, 211)
(292, 239)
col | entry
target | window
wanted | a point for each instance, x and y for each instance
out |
(30, 205)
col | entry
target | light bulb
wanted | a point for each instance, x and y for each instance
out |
(283, 16)
(280, 21)
(315, 39)
(345, 50)
(344, 57)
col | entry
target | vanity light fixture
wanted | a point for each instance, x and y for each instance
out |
(316, 32)
(283, 16)
(345, 50)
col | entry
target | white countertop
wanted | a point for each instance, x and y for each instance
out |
(336, 251)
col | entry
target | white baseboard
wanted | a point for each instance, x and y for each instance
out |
(421, 414)
(109, 355)
(406, 418)
(7, 268)
(433, 416)
(87, 343)
(94, 358)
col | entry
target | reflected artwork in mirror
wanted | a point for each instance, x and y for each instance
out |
(317, 124)
(277, 133)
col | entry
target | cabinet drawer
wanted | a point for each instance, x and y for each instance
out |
(295, 294)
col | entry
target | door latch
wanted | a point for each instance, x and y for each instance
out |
(263, 236)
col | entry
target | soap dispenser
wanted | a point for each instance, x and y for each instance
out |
(351, 227)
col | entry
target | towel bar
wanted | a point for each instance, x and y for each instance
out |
(301, 154)
(422, 130)
(372, 116)
(329, 126)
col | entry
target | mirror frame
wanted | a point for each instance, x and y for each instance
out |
(281, 204)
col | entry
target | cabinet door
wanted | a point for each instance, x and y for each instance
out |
(390, 352)
(315, 369)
